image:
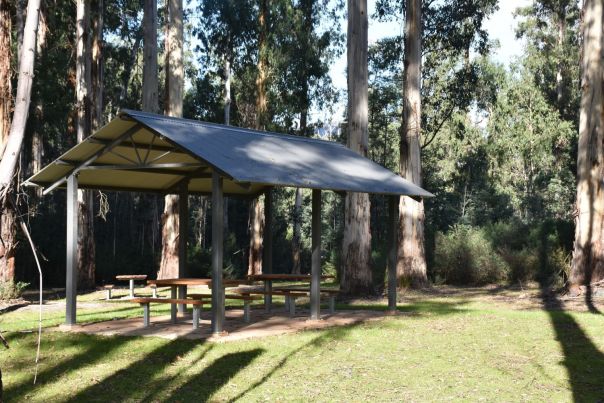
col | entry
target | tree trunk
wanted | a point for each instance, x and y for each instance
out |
(20, 22)
(261, 105)
(227, 91)
(5, 72)
(174, 94)
(256, 216)
(13, 144)
(411, 262)
(11, 140)
(256, 226)
(561, 33)
(128, 69)
(588, 262)
(296, 238)
(86, 250)
(169, 259)
(7, 218)
(97, 70)
(150, 83)
(37, 144)
(356, 277)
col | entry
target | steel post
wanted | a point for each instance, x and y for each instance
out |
(217, 253)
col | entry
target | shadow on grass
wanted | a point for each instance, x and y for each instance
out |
(203, 385)
(584, 362)
(414, 307)
(139, 378)
(328, 335)
(95, 350)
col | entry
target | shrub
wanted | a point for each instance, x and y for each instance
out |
(466, 256)
(523, 264)
(11, 290)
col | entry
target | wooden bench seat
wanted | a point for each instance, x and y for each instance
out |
(247, 299)
(196, 303)
(331, 293)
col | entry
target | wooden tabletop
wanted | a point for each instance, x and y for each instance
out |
(131, 277)
(193, 281)
(290, 277)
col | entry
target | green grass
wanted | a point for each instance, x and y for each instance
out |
(461, 349)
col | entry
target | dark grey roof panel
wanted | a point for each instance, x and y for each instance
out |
(277, 159)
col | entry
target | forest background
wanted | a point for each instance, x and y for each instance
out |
(498, 144)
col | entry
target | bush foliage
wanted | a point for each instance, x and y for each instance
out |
(11, 290)
(503, 252)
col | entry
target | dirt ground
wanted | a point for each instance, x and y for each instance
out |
(528, 296)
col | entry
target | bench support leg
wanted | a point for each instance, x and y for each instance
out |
(332, 304)
(182, 294)
(268, 298)
(131, 288)
(173, 306)
(196, 309)
(108, 294)
(154, 292)
(246, 311)
(146, 315)
(292, 305)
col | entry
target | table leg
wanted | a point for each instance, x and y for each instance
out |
(182, 294)
(268, 298)
(131, 288)
(173, 306)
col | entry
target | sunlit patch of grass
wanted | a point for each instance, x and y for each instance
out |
(439, 348)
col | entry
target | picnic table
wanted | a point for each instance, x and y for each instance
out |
(131, 278)
(268, 279)
(182, 283)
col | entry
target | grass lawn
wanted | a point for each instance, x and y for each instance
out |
(467, 346)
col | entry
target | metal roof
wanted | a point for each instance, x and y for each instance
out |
(140, 151)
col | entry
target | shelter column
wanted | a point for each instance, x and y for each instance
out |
(217, 250)
(315, 280)
(183, 234)
(393, 202)
(71, 286)
(267, 258)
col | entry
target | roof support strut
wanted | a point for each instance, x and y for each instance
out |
(267, 247)
(315, 278)
(71, 277)
(183, 231)
(393, 202)
(217, 249)
(92, 158)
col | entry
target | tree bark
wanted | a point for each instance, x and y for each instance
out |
(227, 91)
(86, 246)
(256, 215)
(11, 140)
(256, 225)
(296, 238)
(559, 76)
(12, 149)
(411, 262)
(97, 70)
(356, 276)
(20, 22)
(588, 256)
(261, 103)
(150, 70)
(174, 98)
(6, 90)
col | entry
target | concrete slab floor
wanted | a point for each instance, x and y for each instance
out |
(262, 324)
